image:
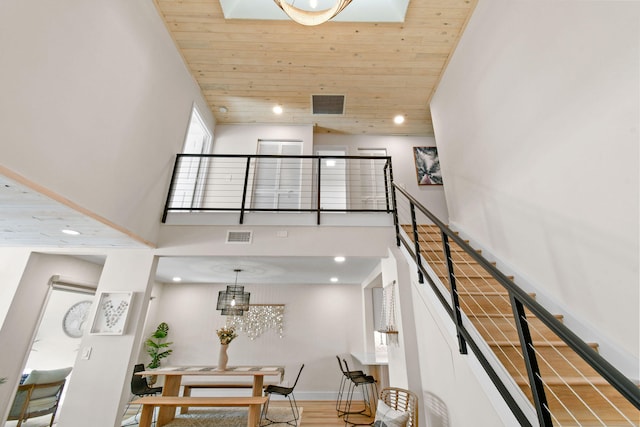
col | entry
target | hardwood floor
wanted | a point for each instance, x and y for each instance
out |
(315, 413)
(322, 413)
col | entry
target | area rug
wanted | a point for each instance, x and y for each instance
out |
(224, 417)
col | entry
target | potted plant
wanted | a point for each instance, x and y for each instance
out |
(157, 347)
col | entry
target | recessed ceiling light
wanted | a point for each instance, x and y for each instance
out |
(277, 109)
(339, 259)
(334, 279)
(177, 279)
(399, 119)
(223, 109)
(70, 232)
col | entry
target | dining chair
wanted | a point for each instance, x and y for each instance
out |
(140, 387)
(286, 392)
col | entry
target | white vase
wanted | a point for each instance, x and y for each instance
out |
(223, 358)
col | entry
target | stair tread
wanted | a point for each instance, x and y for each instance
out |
(472, 279)
(566, 380)
(490, 293)
(499, 315)
(537, 344)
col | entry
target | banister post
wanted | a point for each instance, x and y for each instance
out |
(171, 185)
(244, 189)
(455, 300)
(416, 242)
(318, 201)
(531, 362)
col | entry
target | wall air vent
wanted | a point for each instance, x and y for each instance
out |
(239, 236)
(327, 104)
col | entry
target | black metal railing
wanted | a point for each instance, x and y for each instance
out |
(454, 264)
(273, 183)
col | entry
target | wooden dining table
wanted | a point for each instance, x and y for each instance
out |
(173, 378)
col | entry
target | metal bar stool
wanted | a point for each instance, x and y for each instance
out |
(369, 389)
(345, 380)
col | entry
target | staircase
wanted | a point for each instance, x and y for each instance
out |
(576, 394)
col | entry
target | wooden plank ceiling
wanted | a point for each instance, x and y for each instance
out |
(382, 69)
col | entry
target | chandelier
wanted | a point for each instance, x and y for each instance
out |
(259, 319)
(308, 17)
(233, 301)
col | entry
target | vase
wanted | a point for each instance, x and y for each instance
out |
(152, 380)
(223, 358)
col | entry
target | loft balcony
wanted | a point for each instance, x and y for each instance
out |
(227, 189)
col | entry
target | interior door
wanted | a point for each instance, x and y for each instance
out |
(372, 179)
(333, 180)
(277, 182)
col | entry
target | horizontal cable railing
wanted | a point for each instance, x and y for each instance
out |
(273, 183)
(564, 378)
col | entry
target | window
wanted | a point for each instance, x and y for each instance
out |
(190, 179)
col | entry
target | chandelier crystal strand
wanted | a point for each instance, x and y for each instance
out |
(259, 319)
(310, 18)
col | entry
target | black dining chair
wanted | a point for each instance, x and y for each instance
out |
(286, 392)
(140, 387)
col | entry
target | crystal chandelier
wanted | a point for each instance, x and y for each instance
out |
(259, 319)
(308, 17)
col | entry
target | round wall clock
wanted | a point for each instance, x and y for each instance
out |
(75, 318)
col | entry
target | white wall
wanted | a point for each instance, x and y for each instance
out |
(243, 139)
(544, 171)
(112, 356)
(99, 81)
(12, 265)
(400, 148)
(320, 322)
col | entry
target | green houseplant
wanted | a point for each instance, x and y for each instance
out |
(157, 347)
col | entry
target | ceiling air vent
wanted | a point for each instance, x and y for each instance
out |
(327, 104)
(239, 236)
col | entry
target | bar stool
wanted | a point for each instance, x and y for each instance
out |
(369, 389)
(344, 381)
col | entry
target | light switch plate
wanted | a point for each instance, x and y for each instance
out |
(86, 353)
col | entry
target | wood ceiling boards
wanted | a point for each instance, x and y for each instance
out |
(382, 69)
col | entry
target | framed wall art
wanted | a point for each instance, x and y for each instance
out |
(427, 165)
(111, 315)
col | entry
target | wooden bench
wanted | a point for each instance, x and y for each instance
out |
(254, 403)
(188, 387)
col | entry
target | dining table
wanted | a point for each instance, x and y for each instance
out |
(173, 378)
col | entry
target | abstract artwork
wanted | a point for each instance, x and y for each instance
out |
(427, 165)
